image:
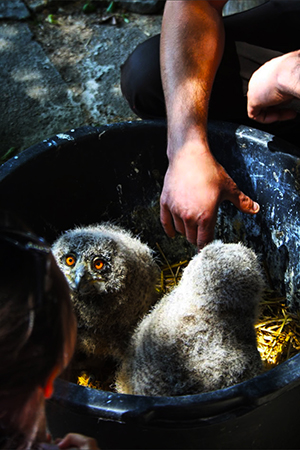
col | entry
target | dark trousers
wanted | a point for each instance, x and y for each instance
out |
(252, 38)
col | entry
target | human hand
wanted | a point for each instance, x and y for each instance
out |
(194, 186)
(75, 440)
(272, 87)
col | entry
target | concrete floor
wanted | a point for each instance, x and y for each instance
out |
(58, 77)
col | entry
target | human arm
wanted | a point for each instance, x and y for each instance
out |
(272, 87)
(192, 42)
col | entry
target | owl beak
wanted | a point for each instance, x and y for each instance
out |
(79, 274)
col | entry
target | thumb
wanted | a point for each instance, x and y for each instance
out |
(243, 203)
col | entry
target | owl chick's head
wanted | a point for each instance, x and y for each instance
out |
(111, 274)
(93, 261)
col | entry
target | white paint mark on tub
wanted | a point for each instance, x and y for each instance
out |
(65, 136)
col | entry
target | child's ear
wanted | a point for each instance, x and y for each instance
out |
(49, 385)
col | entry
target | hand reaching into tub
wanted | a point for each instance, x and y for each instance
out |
(194, 186)
(272, 87)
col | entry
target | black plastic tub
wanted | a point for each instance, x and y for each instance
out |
(115, 172)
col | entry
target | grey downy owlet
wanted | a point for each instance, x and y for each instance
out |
(112, 277)
(201, 336)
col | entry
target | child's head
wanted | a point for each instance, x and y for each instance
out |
(37, 324)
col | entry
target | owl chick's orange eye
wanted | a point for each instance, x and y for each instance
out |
(70, 260)
(98, 263)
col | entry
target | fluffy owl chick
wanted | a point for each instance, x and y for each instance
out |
(112, 276)
(201, 336)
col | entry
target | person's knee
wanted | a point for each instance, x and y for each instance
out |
(141, 81)
(132, 80)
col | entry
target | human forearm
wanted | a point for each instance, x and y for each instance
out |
(192, 43)
(195, 184)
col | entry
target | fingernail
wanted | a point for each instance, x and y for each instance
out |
(256, 207)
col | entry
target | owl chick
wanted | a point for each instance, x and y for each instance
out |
(201, 336)
(112, 276)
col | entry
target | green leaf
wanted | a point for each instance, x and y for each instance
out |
(51, 19)
(88, 8)
(9, 154)
(110, 7)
